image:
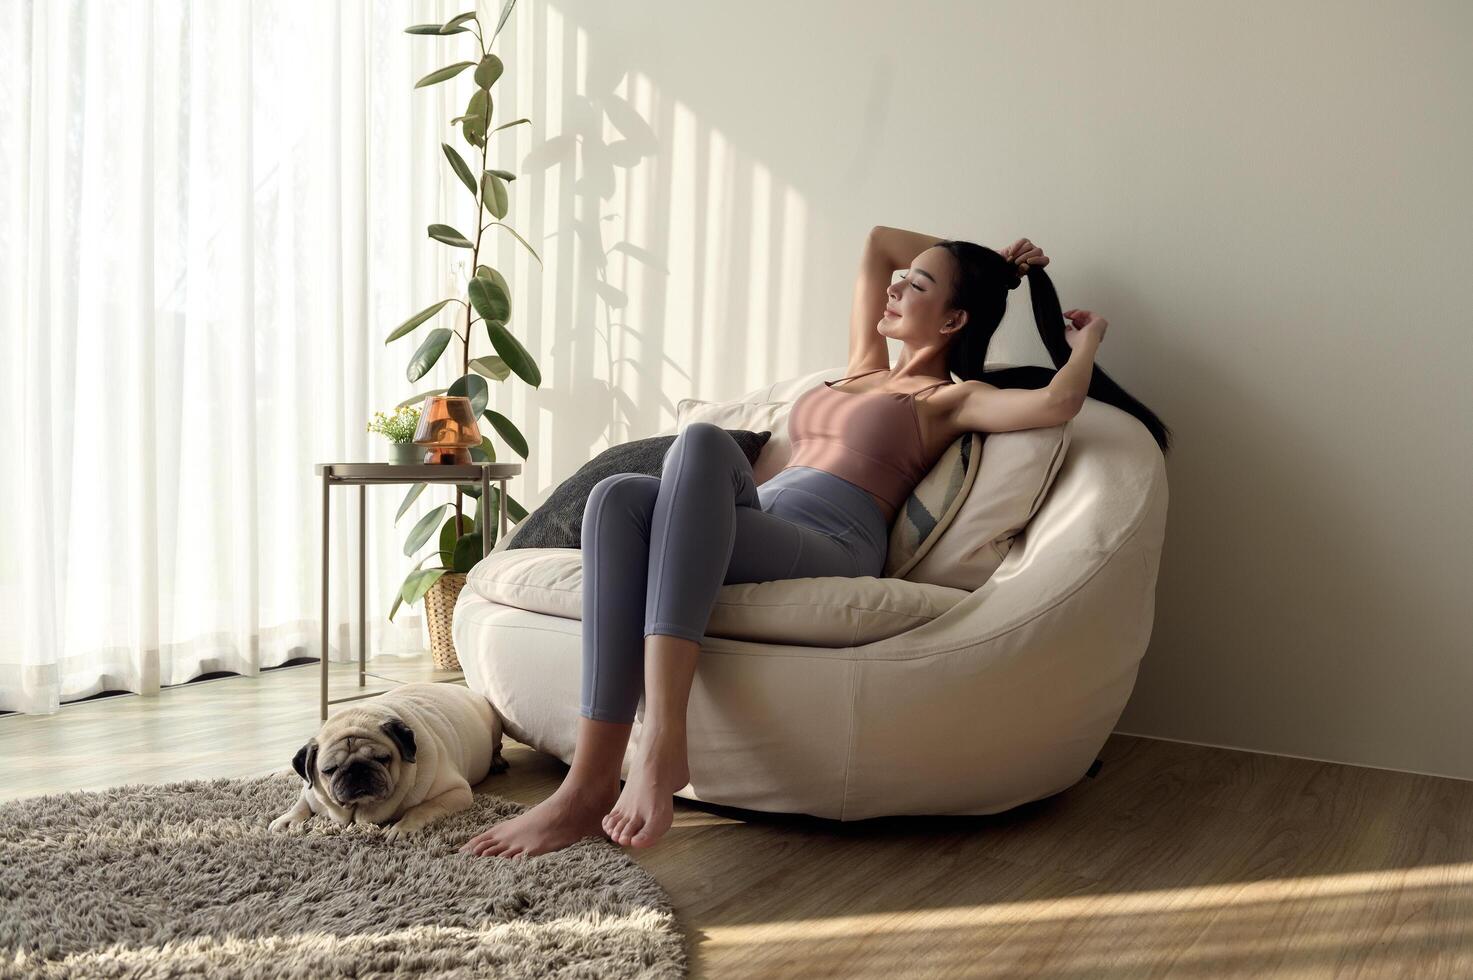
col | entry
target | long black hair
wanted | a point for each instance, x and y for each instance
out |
(983, 279)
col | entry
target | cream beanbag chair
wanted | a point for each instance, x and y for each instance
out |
(986, 676)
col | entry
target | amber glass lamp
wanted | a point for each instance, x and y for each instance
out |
(447, 429)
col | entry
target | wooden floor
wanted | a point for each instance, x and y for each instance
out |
(1175, 860)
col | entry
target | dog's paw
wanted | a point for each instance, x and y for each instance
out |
(401, 829)
(285, 822)
(499, 764)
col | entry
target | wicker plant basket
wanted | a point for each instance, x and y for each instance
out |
(439, 612)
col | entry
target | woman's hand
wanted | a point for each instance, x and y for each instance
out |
(1084, 326)
(1024, 253)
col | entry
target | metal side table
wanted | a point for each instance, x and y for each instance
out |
(363, 474)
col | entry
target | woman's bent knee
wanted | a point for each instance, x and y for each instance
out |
(625, 493)
(622, 487)
(703, 436)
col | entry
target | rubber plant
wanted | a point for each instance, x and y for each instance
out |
(487, 301)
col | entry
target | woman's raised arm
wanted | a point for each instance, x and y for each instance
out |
(885, 250)
(900, 247)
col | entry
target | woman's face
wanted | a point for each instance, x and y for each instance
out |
(916, 311)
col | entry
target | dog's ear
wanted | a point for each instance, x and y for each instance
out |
(305, 762)
(402, 735)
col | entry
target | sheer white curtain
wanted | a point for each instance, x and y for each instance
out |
(212, 212)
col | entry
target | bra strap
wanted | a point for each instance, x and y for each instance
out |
(929, 387)
(859, 375)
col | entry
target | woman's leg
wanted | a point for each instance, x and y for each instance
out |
(711, 529)
(708, 528)
(615, 545)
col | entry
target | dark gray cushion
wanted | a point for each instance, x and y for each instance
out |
(558, 523)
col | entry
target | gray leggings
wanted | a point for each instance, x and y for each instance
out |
(656, 550)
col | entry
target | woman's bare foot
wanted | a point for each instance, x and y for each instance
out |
(565, 817)
(645, 809)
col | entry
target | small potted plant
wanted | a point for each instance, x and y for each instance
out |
(399, 429)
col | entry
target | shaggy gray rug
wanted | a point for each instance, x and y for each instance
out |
(184, 880)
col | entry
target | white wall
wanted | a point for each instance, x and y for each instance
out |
(1269, 202)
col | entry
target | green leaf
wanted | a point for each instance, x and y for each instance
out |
(467, 551)
(514, 354)
(503, 174)
(461, 170)
(520, 239)
(454, 30)
(459, 19)
(416, 320)
(514, 122)
(423, 29)
(449, 535)
(486, 272)
(489, 70)
(493, 194)
(419, 399)
(421, 532)
(505, 12)
(399, 596)
(477, 117)
(418, 583)
(475, 388)
(490, 300)
(507, 431)
(440, 74)
(429, 352)
(448, 235)
(409, 499)
(492, 367)
(484, 453)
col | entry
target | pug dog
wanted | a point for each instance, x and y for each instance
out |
(411, 754)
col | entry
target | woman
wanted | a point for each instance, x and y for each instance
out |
(657, 549)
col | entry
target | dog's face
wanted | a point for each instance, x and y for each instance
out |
(356, 768)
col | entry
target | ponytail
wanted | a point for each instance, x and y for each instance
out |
(982, 282)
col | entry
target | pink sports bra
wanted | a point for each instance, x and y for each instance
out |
(862, 437)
